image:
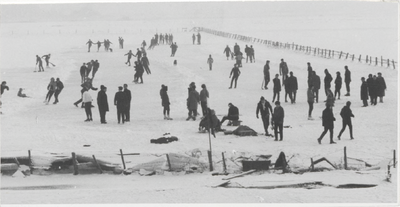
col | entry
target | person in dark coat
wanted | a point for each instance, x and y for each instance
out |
(210, 122)
(39, 63)
(236, 49)
(89, 43)
(236, 73)
(327, 81)
(233, 114)
(364, 92)
(145, 63)
(204, 95)
(239, 57)
(330, 98)
(102, 103)
(266, 74)
(119, 101)
(310, 100)
(128, 98)
(51, 89)
(165, 102)
(139, 72)
(247, 51)
(310, 74)
(98, 43)
(138, 54)
(316, 82)
(277, 117)
(264, 107)
(174, 47)
(293, 86)
(338, 84)
(59, 88)
(346, 115)
(96, 66)
(328, 123)
(227, 52)
(192, 102)
(89, 67)
(372, 89)
(277, 87)
(380, 81)
(198, 38)
(194, 38)
(83, 72)
(46, 58)
(129, 54)
(283, 70)
(287, 87)
(347, 80)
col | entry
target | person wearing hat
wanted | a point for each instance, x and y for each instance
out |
(204, 95)
(338, 84)
(102, 103)
(233, 114)
(264, 107)
(347, 80)
(328, 123)
(283, 70)
(83, 72)
(277, 117)
(346, 115)
(381, 87)
(119, 101)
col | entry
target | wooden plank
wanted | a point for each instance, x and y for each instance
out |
(239, 175)
(221, 184)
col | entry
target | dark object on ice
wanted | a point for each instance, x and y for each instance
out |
(234, 123)
(164, 140)
(175, 62)
(281, 162)
(244, 131)
(256, 165)
(9, 168)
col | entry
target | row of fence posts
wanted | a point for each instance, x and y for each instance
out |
(307, 49)
(93, 31)
(76, 168)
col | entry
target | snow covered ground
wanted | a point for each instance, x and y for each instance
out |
(28, 124)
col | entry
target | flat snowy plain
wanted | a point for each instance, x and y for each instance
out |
(366, 28)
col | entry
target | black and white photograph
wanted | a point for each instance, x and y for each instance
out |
(199, 102)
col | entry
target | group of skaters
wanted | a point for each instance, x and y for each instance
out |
(91, 66)
(198, 38)
(54, 87)
(107, 43)
(142, 64)
(159, 38)
(39, 62)
(238, 55)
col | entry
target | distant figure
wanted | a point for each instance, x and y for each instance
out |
(316, 82)
(204, 95)
(3, 88)
(283, 70)
(227, 52)
(143, 44)
(59, 88)
(146, 63)
(346, 115)
(338, 84)
(102, 103)
(39, 63)
(327, 123)
(129, 54)
(381, 87)
(236, 73)
(347, 80)
(174, 47)
(119, 101)
(327, 81)
(194, 38)
(193, 101)
(87, 100)
(210, 61)
(121, 42)
(277, 87)
(127, 104)
(233, 114)
(89, 43)
(277, 117)
(98, 45)
(310, 100)
(372, 89)
(51, 89)
(22, 95)
(165, 102)
(292, 81)
(198, 38)
(252, 54)
(96, 66)
(46, 58)
(83, 72)
(264, 107)
(310, 74)
(364, 92)
(266, 75)
(138, 54)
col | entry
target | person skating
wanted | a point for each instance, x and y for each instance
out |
(233, 114)
(278, 117)
(102, 103)
(210, 61)
(119, 101)
(283, 70)
(165, 102)
(127, 107)
(338, 84)
(139, 72)
(143, 44)
(204, 95)
(277, 88)
(266, 75)
(292, 81)
(236, 49)
(51, 87)
(146, 63)
(247, 51)
(96, 66)
(4, 87)
(227, 52)
(174, 47)
(310, 74)
(327, 81)
(310, 100)
(316, 82)
(59, 88)
(288, 91)
(364, 92)
(346, 115)
(89, 67)
(380, 81)
(89, 43)
(347, 80)
(252, 54)
(39, 63)
(98, 43)
(46, 58)
(330, 98)
(87, 100)
(194, 38)
(138, 54)
(198, 38)
(192, 102)
(236, 73)
(129, 54)
(85, 86)
(83, 72)
(239, 57)
(264, 107)
(328, 123)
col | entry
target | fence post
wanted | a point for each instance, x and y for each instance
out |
(30, 161)
(210, 160)
(97, 164)
(347, 55)
(352, 59)
(394, 66)
(359, 59)
(122, 157)
(381, 61)
(345, 159)
(370, 60)
(388, 62)
(312, 164)
(76, 171)
(223, 162)
(340, 55)
(169, 162)
(366, 59)
(376, 61)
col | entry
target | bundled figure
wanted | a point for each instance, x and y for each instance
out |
(102, 103)
(22, 95)
(139, 72)
(165, 102)
(264, 107)
(210, 122)
(174, 47)
(51, 89)
(328, 123)
(193, 101)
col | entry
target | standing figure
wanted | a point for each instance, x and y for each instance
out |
(39, 63)
(277, 87)
(310, 100)
(251, 53)
(328, 123)
(338, 84)
(89, 43)
(129, 54)
(236, 73)
(51, 89)
(89, 67)
(121, 43)
(165, 102)
(310, 74)
(146, 63)
(380, 81)
(139, 72)
(330, 98)
(236, 49)
(283, 70)
(193, 38)
(277, 117)
(316, 82)
(264, 107)
(127, 107)
(210, 61)
(293, 87)
(327, 81)
(247, 51)
(83, 72)
(3, 87)
(198, 38)
(102, 103)
(59, 88)
(346, 115)
(46, 58)
(87, 100)
(364, 92)
(227, 52)
(266, 75)
(174, 47)
(138, 54)
(204, 95)
(96, 66)
(239, 57)
(192, 102)
(288, 90)
(119, 101)
(143, 44)
(347, 80)
(372, 89)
